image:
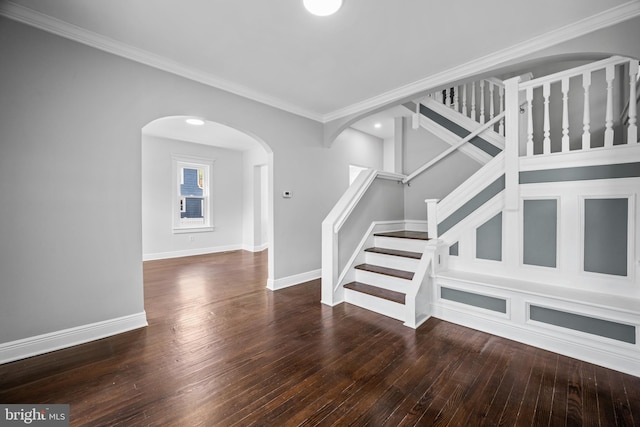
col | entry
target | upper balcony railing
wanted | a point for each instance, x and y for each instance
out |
(480, 100)
(579, 109)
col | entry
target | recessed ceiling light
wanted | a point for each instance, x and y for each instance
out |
(195, 122)
(377, 125)
(322, 7)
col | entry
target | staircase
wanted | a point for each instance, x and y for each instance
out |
(540, 245)
(383, 280)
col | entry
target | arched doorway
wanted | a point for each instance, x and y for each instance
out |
(237, 206)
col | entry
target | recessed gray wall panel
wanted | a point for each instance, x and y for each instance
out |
(489, 239)
(454, 249)
(476, 300)
(605, 236)
(540, 232)
(590, 325)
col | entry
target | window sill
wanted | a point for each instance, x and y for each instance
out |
(183, 230)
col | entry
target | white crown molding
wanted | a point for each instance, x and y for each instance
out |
(64, 29)
(585, 26)
(61, 28)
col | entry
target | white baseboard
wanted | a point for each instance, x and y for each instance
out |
(45, 343)
(257, 248)
(296, 279)
(191, 252)
(598, 356)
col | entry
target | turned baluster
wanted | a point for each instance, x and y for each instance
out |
(454, 93)
(565, 115)
(492, 109)
(501, 96)
(586, 118)
(608, 133)
(546, 144)
(482, 101)
(473, 100)
(529, 93)
(464, 99)
(632, 130)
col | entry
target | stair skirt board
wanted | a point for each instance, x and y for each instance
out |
(378, 305)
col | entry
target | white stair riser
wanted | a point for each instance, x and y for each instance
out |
(378, 305)
(383, 281)
(392, 261)
(412, 245)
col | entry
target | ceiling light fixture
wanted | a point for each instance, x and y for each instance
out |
(195, 122)
(377, 125)
(322, 7)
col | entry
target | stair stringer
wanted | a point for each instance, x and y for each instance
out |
(461, 195)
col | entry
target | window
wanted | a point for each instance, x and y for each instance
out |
(192, 201)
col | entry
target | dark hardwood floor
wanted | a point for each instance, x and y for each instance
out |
(221, 350)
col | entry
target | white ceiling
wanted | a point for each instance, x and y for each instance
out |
(319, 67)
(210, 133)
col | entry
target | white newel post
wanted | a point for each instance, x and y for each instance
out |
(432, 217)
(329, 263)
(512, 144)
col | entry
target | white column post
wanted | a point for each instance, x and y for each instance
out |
(512, 144)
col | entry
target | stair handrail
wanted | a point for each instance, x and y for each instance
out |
(349, 200)
(335, 220)
(453, 148)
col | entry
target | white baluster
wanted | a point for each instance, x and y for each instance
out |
(482, 101)
(492, 110)
(546, 144)
(529, 93)
(608, 133)
(586, 118)
(473, 100)
(565, 115)
(501, 95)
(455, 99)
(632, 130)
(464, 99)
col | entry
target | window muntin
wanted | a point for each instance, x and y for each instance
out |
(192, 201)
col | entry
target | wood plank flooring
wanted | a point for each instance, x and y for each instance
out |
(221, 350)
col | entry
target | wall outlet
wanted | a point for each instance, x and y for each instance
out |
(287, 194)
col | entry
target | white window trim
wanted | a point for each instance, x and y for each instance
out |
(178, 162)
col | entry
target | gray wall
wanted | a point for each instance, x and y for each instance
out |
(419, 147)
(70, 163)
(157, 185)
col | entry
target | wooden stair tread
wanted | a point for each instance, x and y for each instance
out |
(375, 291)
(395, 252)
(405, 234)
(386, 271)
